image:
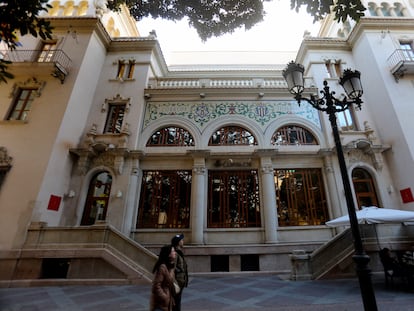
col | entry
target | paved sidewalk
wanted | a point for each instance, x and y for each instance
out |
(229, 293)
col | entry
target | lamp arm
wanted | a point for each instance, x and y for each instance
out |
(328, 103)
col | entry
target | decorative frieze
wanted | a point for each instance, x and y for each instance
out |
(202, 113)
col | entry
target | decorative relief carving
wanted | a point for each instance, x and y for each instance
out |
(199, 170)
(119, 164)
(369, 156)
(233, 163)
(369, 132)
(83, 164)
(32, 83)
(268, 169)
(100, 7)
(356, 155)
(5, 159)
(118, 99)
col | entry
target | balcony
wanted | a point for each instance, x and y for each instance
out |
(61, 62)
(401, 62)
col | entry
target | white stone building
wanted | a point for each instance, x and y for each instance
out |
(106, 153)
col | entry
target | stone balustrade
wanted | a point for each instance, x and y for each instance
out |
(277, 83)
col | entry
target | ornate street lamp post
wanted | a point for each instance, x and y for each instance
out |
(351, 83)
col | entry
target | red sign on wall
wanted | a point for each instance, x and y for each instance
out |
(407, 195)
(54, 202)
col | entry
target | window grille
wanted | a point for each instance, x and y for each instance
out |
(171, 136)
(293, 135)
(233, 199)
(232, 135)
(165, 199)
(300, 197)
(115, 118)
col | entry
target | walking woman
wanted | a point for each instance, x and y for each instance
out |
(162, 290)
(181, 272)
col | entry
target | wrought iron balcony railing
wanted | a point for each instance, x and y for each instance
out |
(401, 62)
(58, 58)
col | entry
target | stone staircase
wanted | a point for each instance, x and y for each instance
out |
(76, 255)
(334, 258)
(100, 254)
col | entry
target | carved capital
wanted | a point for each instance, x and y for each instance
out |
(199, 170)
(268, 169)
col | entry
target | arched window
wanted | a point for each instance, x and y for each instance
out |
(364, 188)
(171, 136)
(165, 199)
(232, 135)
(97, 201)
(293, 135)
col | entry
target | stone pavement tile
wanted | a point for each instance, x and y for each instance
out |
(227, 293)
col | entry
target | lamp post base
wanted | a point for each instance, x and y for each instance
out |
(365, 283)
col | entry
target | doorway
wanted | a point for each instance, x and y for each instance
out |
(364, 188)
(97, 200)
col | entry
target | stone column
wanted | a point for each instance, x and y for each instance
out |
(269, 199)
(332, 186)
(198, 201)
(131, 200)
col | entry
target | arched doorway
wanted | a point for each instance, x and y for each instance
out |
(97, 201)
(364, 188)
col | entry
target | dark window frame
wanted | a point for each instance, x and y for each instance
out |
(165, 199)
(300, 196)
(22, 103)
(233, 199)
(293, 134)
(232, 135)
(115, 118)
(171, 136)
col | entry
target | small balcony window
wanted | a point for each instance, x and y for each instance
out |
(115, 118)
(22, 104)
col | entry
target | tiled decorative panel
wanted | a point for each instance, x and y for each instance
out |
(201, 113)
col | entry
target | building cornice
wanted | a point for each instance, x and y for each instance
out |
(377, 23)
(365, 23)
(317, 43)
(81, 25)
(90, 24)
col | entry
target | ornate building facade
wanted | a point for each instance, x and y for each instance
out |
(97, 131)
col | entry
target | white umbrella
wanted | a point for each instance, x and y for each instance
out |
(374, 215)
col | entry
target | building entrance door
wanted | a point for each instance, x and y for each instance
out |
(96, 204)
(364, 188)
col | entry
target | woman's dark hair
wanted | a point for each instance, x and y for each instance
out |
(163, 257)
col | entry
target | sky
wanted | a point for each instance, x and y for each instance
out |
(277, 37)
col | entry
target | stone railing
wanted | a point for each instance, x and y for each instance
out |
(335, 256)
(172, 83)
